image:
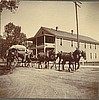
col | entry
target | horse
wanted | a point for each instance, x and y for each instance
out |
(43, 57)
(71, 57)
(52, 58)
(77, 58)
(25, 58)
(33, 59)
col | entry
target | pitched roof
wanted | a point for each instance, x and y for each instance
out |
(70, 36)
(65, 35)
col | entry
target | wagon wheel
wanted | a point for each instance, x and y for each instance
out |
(14, 63)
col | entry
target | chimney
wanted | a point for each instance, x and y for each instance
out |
(56, 28)
(72, 31)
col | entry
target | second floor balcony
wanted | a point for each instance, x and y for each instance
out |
(44, 40)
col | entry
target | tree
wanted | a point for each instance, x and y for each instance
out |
(14, 34)
(9, 5)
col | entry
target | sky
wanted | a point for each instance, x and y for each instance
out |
(31, 15)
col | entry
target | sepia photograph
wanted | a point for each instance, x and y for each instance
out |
(49, 49)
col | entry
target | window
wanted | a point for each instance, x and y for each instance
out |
(85, 45)
(95, 56)
(61, 41)
(95, 46)
(71, 43)
(90, 45)
(90, 55)
(49, 39)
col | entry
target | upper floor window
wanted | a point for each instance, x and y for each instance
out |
(95, 55)
(90, 55)
(85, 45)
(49, 39)
(61, 41)
(95, 46)
(90, 45)
(71, 43)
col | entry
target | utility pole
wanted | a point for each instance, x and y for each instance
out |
(0, 21)
(77, 5)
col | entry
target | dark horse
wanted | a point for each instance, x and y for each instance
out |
(72, 57)
(43, 57)
(78, 57)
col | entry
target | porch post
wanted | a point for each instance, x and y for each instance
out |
(44, 44)
(55, 44)
(36, 46)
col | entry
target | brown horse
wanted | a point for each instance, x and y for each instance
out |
(43, 57)
(71, 57)
(78, 57)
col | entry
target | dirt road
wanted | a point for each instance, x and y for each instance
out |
(44, 83)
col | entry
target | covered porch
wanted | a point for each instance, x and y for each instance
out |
(43, 43)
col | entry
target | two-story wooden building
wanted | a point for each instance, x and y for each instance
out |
(48, 38)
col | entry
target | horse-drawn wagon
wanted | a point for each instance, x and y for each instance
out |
(16, 54)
